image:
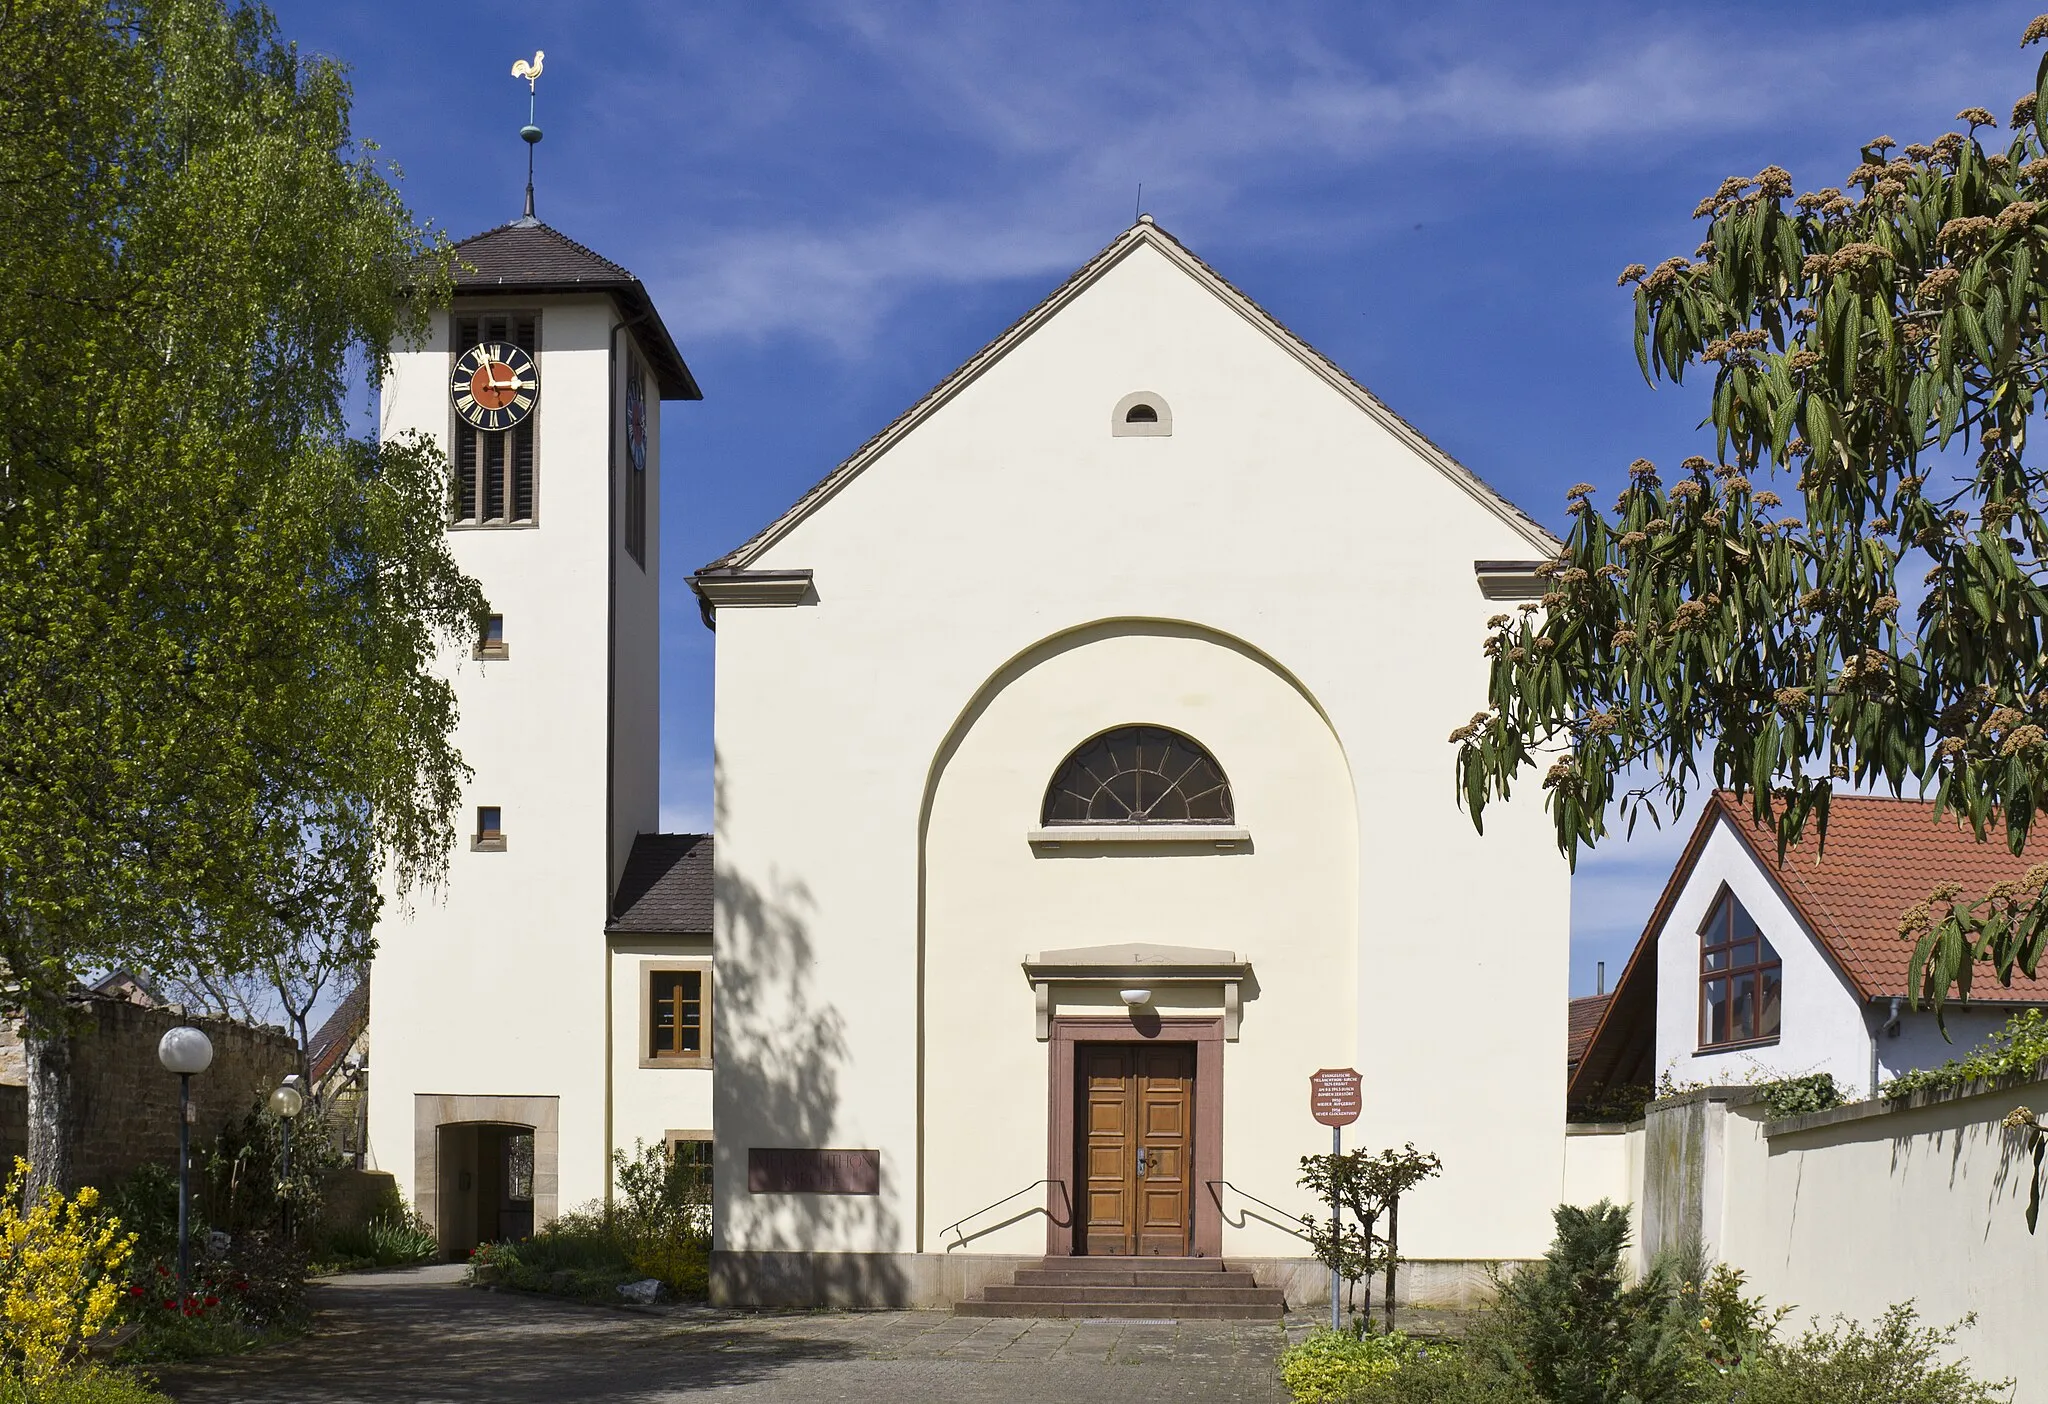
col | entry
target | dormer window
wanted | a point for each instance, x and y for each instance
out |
(1741, 981)
(1141, 414)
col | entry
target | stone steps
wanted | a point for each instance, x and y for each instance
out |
(1194, 1289)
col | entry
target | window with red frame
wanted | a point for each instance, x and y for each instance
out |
(1741, 984)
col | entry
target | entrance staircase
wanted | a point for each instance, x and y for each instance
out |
(1188, 1289)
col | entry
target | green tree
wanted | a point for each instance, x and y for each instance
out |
(1369, 1184)
(218, 611)
(1881, 345)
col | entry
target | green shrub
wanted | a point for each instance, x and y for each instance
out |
(1896, 1361)
(1330, 1366)
(1577, 1331)
(1801, 1096)
(84, 1385)
(2014, 1051)
(658, 1227)
(394, 1238)
(1445, 1375)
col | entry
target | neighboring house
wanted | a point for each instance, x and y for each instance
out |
(1083, 788)
(530, 1018)
(1750, 968)
(1582, 1017)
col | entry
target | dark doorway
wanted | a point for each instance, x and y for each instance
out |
(1134, 1147)
(486, 1184)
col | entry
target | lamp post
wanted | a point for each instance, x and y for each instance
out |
(184, 1051)
(287, 1102)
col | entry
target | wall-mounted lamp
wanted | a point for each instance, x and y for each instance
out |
(1134, 998)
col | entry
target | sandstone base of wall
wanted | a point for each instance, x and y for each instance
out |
(936, 1281)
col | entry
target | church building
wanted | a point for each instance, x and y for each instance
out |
(1081, 789)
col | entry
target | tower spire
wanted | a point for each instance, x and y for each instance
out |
(530, 134)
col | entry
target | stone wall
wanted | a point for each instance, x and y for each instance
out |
(124, 1109)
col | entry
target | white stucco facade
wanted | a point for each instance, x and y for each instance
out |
(497, 997)
(1286, 577)
(1826, 1025)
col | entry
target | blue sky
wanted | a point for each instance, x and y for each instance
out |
(835, 205)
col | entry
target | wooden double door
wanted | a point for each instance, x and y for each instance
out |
(1135, 1105)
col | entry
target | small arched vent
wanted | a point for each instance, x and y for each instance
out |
(1141, 414)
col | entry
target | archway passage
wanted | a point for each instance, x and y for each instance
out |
(486, 1191)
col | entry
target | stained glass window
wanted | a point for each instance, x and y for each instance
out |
(1139, 775)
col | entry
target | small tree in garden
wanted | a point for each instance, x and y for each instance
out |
(1368, 1185)
(1882, 345)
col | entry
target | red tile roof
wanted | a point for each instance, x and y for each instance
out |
(1585, 1017)
(1880, 858)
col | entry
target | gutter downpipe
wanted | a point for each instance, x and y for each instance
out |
(1890, 1029)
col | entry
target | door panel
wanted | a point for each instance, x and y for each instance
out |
(1136, 1111)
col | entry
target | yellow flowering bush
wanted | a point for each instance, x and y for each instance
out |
(60, 1274)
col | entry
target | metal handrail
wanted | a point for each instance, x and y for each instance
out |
(954, 1227)
(1292, 1217)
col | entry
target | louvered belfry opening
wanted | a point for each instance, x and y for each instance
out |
(495, 472)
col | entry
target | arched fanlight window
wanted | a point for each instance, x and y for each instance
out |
(1139, 775)
(1141, 413)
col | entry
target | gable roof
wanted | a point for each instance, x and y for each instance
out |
(1144, 234)
(528, 256)
(339, 1032)
(666, 887)
(1881, 856)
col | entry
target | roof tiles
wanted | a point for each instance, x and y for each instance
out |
(666, 887)
(1882, 856)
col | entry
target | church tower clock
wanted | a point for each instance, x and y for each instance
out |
(496, 1094)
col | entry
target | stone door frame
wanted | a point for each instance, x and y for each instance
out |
(431, 1111)
(1206, 1036)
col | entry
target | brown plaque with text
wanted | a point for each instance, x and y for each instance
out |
(796, 1170)
(1334, 1096)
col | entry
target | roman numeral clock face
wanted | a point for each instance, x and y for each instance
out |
(495, 385)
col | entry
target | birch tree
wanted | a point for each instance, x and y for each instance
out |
(218, 611)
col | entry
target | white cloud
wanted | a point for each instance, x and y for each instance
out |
(1024, 132)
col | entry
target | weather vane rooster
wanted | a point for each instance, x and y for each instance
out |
(530, 134)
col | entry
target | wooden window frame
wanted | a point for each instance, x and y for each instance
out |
(642, 1033)
(1721, 912)
(488, 840)
(461, 433)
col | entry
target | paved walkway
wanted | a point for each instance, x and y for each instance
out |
(422, 1338)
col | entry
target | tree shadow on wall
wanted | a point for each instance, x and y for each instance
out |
(782, 1052)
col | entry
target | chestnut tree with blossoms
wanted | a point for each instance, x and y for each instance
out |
(1878, 353)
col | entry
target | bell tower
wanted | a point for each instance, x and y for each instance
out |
(491, 1095)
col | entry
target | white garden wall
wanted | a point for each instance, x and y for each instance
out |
(1849, 1211)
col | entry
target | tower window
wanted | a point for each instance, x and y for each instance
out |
(494, 479)
(490, 832)
(1139, 415)
(492, 643)
(635, 524)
